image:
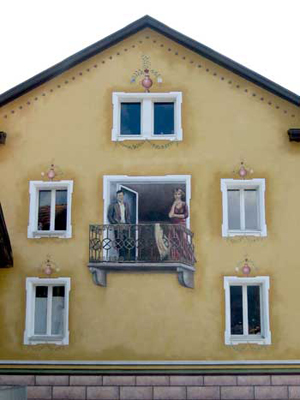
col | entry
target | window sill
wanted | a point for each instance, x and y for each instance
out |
(123, 138)
(57, 340)
(244, 233)
(48, 234)
(248, 339)
(234, 342)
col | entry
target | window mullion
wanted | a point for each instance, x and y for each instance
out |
(52, 210)
(147, 118)
(242, 209)
(49, 310)
(245, 310)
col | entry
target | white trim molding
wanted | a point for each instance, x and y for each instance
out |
(243, 184)
(147, 101)
(29, 337)
(165, 363)
(34, 188)
(264, 338)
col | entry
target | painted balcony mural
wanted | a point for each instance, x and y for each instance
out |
(145, 230)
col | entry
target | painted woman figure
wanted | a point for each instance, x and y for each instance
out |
(180, 248)
(179, 210)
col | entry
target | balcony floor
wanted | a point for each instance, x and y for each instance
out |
(184, 272)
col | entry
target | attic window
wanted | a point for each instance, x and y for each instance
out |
(151, 116)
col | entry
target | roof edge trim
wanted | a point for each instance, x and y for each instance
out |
(134, 27)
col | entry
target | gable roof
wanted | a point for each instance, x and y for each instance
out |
(142, 23)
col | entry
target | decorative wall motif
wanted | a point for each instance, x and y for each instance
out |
(52, 172)
(243, 170)
(153, 145)
(146, 82)
(48, 267)
(246, 267)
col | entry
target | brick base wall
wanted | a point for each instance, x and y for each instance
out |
(139, 387)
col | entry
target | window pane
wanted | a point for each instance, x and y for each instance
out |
(234, 215)
(58, 306)
(164, 118)
(251, 215)
(44, 210)
(130, 118)
(236, 309)
(254, 323)
(40, 314)
(61, 210)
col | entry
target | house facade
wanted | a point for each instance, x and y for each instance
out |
(149, 189)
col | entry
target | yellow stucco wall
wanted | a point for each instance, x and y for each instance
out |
(150, 316)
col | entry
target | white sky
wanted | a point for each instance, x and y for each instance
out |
(262, 35)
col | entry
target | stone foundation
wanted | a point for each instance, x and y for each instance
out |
(139, 387)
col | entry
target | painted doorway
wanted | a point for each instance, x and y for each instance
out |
(131, 197)
(150, 198)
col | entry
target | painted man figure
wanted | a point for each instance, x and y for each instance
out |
(118, 213)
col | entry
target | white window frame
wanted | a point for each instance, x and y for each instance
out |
(264, 283)
(34, 188)
(147, 101)
(259, 185)
(29, 337)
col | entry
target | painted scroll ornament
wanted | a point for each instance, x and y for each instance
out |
(147, 81)
(145, 72)
(52, 172)
(246, 267)
(243, 170)
(48, 267)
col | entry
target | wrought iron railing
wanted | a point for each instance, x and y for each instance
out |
(141, 243)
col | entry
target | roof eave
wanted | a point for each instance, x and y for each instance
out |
(225, 62)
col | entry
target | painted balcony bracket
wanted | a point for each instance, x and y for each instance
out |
(153, 248)
(99, 276)
(99, 272)
(294, 135)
